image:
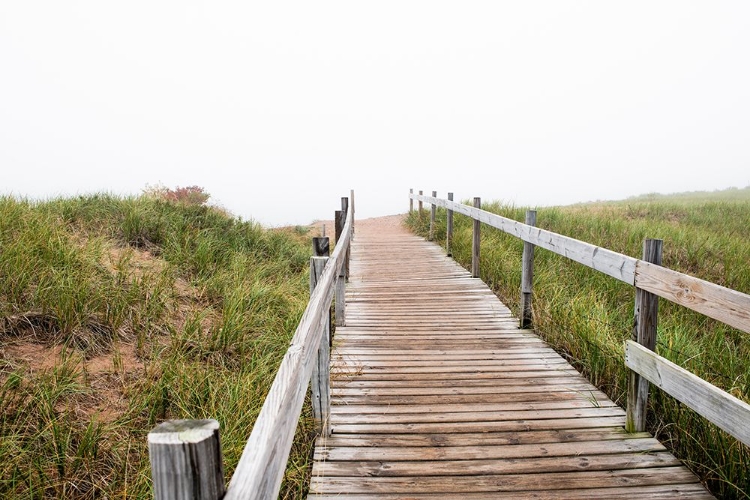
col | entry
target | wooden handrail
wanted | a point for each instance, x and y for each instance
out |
(260, 470)
(715, 301)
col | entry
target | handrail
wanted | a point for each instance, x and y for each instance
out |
(715, 301)
(185, 455)
(261, 467)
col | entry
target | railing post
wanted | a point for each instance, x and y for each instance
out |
(320, 384)
(433, 212)
(340, 291)
(411, 200)
(345, 210)
(644, 332)
(449, 229)
(475, 242)
(186, 461)
(351, 199)
(419, 205)
(527, 275)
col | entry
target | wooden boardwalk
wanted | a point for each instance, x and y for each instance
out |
(436, 393)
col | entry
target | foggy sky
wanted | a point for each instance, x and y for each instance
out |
(280, 108)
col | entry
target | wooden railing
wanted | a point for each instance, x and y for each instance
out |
(186, 460)
(650, 281)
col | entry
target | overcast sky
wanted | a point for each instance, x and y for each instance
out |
(278, 109)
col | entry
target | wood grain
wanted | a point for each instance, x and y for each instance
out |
(727, 412)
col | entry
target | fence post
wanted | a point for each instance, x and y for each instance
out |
(345, 210)
(449, 229)
(527, 275)
(475, 242)
(433, 211)
(411, 200)
(340, 291)
(320, 385)
(351, 199)
(419, 204)
(186, 461)
(644, 332)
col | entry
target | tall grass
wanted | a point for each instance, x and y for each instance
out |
(587, 316)
(190, 311)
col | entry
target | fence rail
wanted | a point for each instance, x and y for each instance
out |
(649, 278)
(179, 467)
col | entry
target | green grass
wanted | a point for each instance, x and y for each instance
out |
(587, 316)
(118, 313)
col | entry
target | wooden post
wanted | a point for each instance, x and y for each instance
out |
(345, 209)
(419, 204)
(351, 198)
(449, 229)
(433, 212)
(322, 248)
(340, 292)
(475, 242)
(644, 332)
(321, 378)
(527, 275)
(186, 462)
(411, 200)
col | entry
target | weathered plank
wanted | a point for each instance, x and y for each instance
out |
(715, 301)
(727, 412)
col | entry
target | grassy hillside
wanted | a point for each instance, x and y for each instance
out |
(587, 316)
(116, 314)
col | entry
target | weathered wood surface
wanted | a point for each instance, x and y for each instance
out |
(721, 408)
(186, 462)
(436, 393)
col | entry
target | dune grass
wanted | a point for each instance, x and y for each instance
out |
(587, 316)
(118, 313)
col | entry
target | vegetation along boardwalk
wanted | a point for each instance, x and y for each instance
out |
(436, 393)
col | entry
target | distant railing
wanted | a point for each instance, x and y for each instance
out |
(651, 281)
(186, 459)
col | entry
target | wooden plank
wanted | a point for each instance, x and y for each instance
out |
(471, 467)
(507, 482)
(715, 301)
(727, 412)
(506, 452)
(657, 492)
(479, 439)
(485, 426)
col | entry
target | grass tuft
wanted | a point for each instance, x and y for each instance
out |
(118, 313)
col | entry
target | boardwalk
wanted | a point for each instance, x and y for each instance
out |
(436, 393)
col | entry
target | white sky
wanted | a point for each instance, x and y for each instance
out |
(278, 109)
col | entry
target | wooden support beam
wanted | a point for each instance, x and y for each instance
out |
(411, 200)
(420, 204)
(527, 275)
(475, 242)
(433, 212)
(644, 332)
(449, 229)
(321, 379)
(186, 461)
